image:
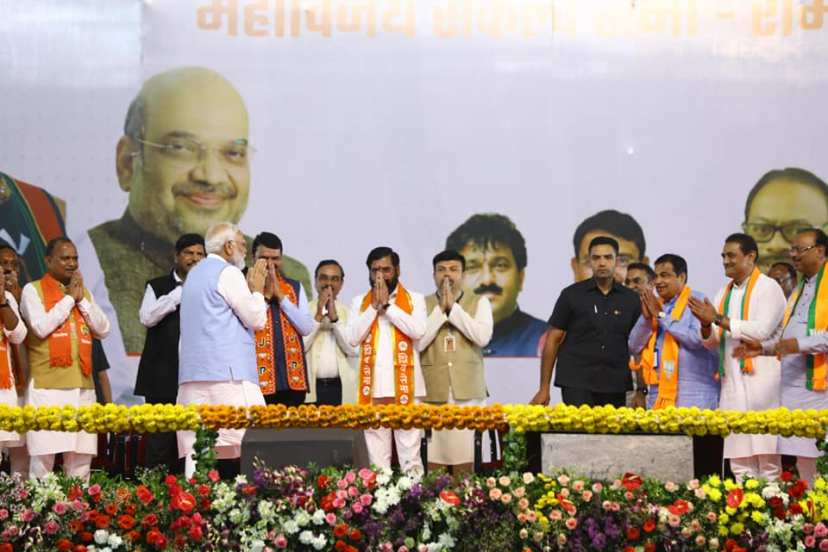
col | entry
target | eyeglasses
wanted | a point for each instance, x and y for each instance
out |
(186, 152)
(796, 250)
(764, 232)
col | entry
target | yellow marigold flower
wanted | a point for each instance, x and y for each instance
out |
(737, 529)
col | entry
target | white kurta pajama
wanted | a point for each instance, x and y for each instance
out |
(450, 447)
(78, 447)
(10, 439)
(756, 455)
(413, 325)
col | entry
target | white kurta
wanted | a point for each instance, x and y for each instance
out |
(759, 390)
(330, 355)
(9, 396)
(413, 325)
(42, 324)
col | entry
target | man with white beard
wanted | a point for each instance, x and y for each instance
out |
(219, 313)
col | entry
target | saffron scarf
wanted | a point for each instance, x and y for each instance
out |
(60, 340)
(668, 369)
(746, 365)
(5, 368)
(291, 345)
(817, 364)
(647, 360)
(403, 354)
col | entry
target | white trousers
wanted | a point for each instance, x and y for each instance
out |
(767, 466)
(74, 465)
(378, 442)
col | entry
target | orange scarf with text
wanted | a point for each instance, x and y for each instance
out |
(291, 345)
(668, 369)
(403, 354)
(746, 365)
(645, 363)
(816, 365)
(60, 340)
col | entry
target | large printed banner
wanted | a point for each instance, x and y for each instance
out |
(511, 130)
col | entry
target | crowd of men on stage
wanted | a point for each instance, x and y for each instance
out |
(221, 333)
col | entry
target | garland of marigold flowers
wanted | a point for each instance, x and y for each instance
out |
(520, 418)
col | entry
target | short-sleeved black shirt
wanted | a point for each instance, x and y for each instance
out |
(594, 354)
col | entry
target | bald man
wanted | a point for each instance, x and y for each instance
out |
(184, 161)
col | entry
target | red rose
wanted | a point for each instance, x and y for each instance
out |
(170, 480)
(340, 546)
(340, 530)
(63, 545)
(153, 536)
(798, 489)
(102, 521)
(730, 544)
(203, 490)
(80, 548)
(86, 536)
(795, 508)
(249, 489)
(356, 535)
(633, 533)
(75, 525)
(629, 549)
(775, 502)
(321, 481)
(129, 509)
(111, 509)
(183, 501)
(214, 476)
(133, 536)
(7, 547)
(74, 492)
(150, 520)
(195, 532)
(126, 522)
(786, 476)
(649, 525)
(144, 494)
(650, 547)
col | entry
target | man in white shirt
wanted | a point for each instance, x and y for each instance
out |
(750, 307)
(62, 318)
(331, 378)
(157, 379)
(386, 323)
(451, 352)
(219, 313)
(280, 352)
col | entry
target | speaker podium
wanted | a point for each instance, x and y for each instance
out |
(303, 446)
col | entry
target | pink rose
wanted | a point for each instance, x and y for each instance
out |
(807, 528)
(700, 540)
(670, 486)
(353, 492)
(422, 548)
(810, 541)
(823, 545)
(504, 481)
(820, 530)
(523, 503)
(561, 540)
(342, 484)
(350, 477)
(338, 503)
(571, 524)
(606, 505)
(356, 507)
(565, 493)
(491, 483)
(693, 484)
(366, 499)
(4, 513)
(280, 541)
(578, 485)
(531, 516)
(402, 548)
(94, 489)
(520, 491)
(495, 494)
(711, 516)
(59, 508)
(342, 493)
(51, 527)
(563, 479)
(586, 495)
(700, 494)
(330, 519)
(674, 520)
(365, 473)
(628, 495)
(616, 507)
(597, 488)
(555, 515)
(521, 518)
(506, 498)
(27, 515)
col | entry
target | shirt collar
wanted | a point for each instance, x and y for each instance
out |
(593, 284)
(176, 277)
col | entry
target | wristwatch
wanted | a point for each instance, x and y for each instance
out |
(662, 314)
(643, 390)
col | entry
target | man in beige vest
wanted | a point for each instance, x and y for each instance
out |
(331, 359)
(62, 320)
(452, 357)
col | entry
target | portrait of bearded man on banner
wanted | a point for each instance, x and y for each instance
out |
(184, 161)
(496, 258)
(780, 205)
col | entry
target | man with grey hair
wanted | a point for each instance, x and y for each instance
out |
(183, 171)
(219, 313)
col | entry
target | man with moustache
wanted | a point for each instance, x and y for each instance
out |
(779, 205)
(802, 345)
(280, 352)
(157, 379)
(451, 352)
(331, 377)
(749, 307)
(590, 326)
(385, 323)
(220, 310)
(183, 171)
(785, 275)
(62, 318)
(496, 259)
(621, 227)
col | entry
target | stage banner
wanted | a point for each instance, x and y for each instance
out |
(514, 131)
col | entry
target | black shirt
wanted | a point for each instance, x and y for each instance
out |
(594, 354)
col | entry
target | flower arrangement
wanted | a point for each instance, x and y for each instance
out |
(520, 418)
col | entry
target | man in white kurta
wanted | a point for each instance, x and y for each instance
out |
(750, 455)
(14, 332)
(377, 313)
(217, 358)
(799, 343)
(74, 316)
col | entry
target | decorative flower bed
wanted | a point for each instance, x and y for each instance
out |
(346, 510)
